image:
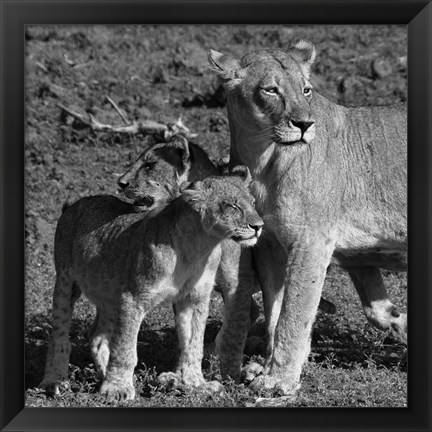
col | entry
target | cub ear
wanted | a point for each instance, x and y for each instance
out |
(304, 53)
(194, 196)
(183, 185)
(182, 146)
(149, 154)
(242, 171)
(228, 68)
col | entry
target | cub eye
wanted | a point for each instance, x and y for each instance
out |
(231, 205)
(148, 165)
(271, 90)
(307, 91)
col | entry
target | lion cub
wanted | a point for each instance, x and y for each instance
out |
(127, 263)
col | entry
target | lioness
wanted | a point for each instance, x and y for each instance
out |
(127, 263)
(330, 184)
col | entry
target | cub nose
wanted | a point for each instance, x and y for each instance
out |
(303, 125)
(122, 182)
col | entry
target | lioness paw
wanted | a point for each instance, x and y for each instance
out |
(117, 392)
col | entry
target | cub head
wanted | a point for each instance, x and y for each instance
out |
(269, 92)
(226, 207)
(154, 178)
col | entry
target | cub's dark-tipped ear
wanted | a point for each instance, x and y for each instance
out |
(227, 67)
(242, 171)
(182, 145)
(194, 195)
(183, 185)
(149, 154)
(304, 53)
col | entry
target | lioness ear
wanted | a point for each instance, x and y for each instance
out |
(227, 67)
(243, 172)
(304, 53)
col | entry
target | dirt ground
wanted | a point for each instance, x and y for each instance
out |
(161, 73)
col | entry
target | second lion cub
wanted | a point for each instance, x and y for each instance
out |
(127, 263)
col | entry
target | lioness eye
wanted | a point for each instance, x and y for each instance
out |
(271, 90)
(307, 91)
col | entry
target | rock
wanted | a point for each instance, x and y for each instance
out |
(48, 160)
(402, 61)
(43, 230)
(381, 68)
(160, 75)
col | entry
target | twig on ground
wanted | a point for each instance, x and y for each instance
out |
(119, 111)
(145, 127)
(41, 66)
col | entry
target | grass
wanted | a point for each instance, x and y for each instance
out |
(160, 73)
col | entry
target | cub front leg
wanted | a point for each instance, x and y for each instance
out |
(270, 260)
(100, 337)
(231, 339)
(306, 266)
(66, 293)
(118, 382)
(191, 320)
(191, 317)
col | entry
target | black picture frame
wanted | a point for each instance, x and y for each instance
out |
(15, 15)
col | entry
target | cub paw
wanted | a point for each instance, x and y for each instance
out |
(279, 387)
(168, 380)
(273, 402)
(55, 388)
(250, 372)
(117, 392)
(399, 328)
(212, 387)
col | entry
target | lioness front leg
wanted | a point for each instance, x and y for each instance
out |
(306, 267)
(118, 382)
(377, 306)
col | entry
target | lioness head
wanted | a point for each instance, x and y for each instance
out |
(270, 92)
(226, 207)
(154, 177)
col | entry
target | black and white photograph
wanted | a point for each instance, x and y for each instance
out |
(216, 216)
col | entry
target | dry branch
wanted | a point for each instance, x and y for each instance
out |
(145, 127)
(119, 111)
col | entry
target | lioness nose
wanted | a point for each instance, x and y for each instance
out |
(257, 226)
(303, 125)
(122, 182)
